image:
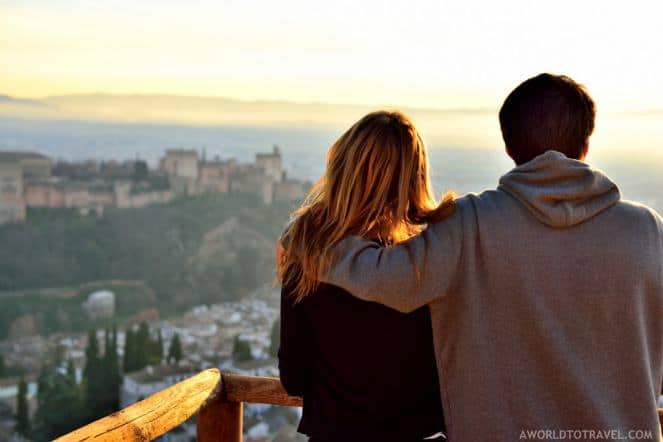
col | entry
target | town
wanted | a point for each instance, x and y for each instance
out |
(53, 368)
(33, 180)
(238, 337)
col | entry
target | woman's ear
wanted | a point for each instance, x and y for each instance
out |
(280, 253)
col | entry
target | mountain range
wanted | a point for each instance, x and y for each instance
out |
(196, 110)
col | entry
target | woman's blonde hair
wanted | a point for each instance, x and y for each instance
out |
(376, 185)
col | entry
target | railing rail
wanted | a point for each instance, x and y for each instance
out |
(217, 397)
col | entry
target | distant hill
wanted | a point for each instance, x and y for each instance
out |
(198, 110)
(458, 127)
(6, 99)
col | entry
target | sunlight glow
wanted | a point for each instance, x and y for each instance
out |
(437, 54)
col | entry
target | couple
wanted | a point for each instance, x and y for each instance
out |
(529, 312)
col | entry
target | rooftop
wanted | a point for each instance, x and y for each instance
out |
(18, 156)
(182, 152)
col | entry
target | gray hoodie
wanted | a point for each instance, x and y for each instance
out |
(546, 298)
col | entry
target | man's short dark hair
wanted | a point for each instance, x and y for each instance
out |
(547, 112)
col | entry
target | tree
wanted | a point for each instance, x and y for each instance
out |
(22, 412)
(109, 391)
(129, 361)
(116, 375)
(71, 371)
(141, 170)
(59, 407)
(175, 349)
(3, 368)
(141, 349)
(91, 354)
(241, 350)
(154, 349)
(159, 347)
(275, 339)
(94, 379)
(142, 341)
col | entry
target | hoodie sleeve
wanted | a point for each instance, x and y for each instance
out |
(388, 275)
(659, 224)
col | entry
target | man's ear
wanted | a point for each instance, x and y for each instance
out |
(585, 150)
(508, 152)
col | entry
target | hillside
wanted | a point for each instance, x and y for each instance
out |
(47, 311)
(198, 250)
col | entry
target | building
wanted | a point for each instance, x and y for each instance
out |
(12, 203)
(271, 164)
(181, 166)
(100, 305)
(17, 168)
(33, 165)
(215, 176)
(249, 178)
(29, 179)
(290, 190)
(43, 194)
(180, 163)
(152, 379)
(127, 196)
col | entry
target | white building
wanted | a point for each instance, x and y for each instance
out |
(152, 379)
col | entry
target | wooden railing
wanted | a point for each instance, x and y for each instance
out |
(218, 398)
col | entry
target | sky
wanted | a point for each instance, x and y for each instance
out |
(436, 54)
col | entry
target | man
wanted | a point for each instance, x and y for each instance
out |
(546, 294)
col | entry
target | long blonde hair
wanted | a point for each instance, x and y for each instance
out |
(376, 185)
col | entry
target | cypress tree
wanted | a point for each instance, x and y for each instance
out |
(107, 345)
(94, 378)
(129, 345)
(241, 350)
(91, 355)
(175, 349)
(22, 412)
(71, 371)
(59, 408)
(142, 346)
(159, 350)
(115, 375)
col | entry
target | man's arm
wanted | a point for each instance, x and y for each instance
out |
(387, 274)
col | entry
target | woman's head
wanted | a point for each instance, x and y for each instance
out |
(376, 185)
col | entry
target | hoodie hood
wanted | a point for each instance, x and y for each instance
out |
(558, 191)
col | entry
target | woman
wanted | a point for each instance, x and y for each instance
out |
(366, 372)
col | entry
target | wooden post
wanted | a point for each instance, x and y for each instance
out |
(221, 421)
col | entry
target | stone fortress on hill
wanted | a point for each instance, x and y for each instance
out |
(30, 179)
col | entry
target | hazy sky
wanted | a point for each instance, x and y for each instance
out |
(437, 54)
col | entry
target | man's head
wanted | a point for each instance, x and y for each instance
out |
(547, 112)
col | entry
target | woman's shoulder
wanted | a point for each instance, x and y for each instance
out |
(323, 291)
(329, 299)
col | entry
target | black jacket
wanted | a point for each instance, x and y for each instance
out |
(366, 372)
